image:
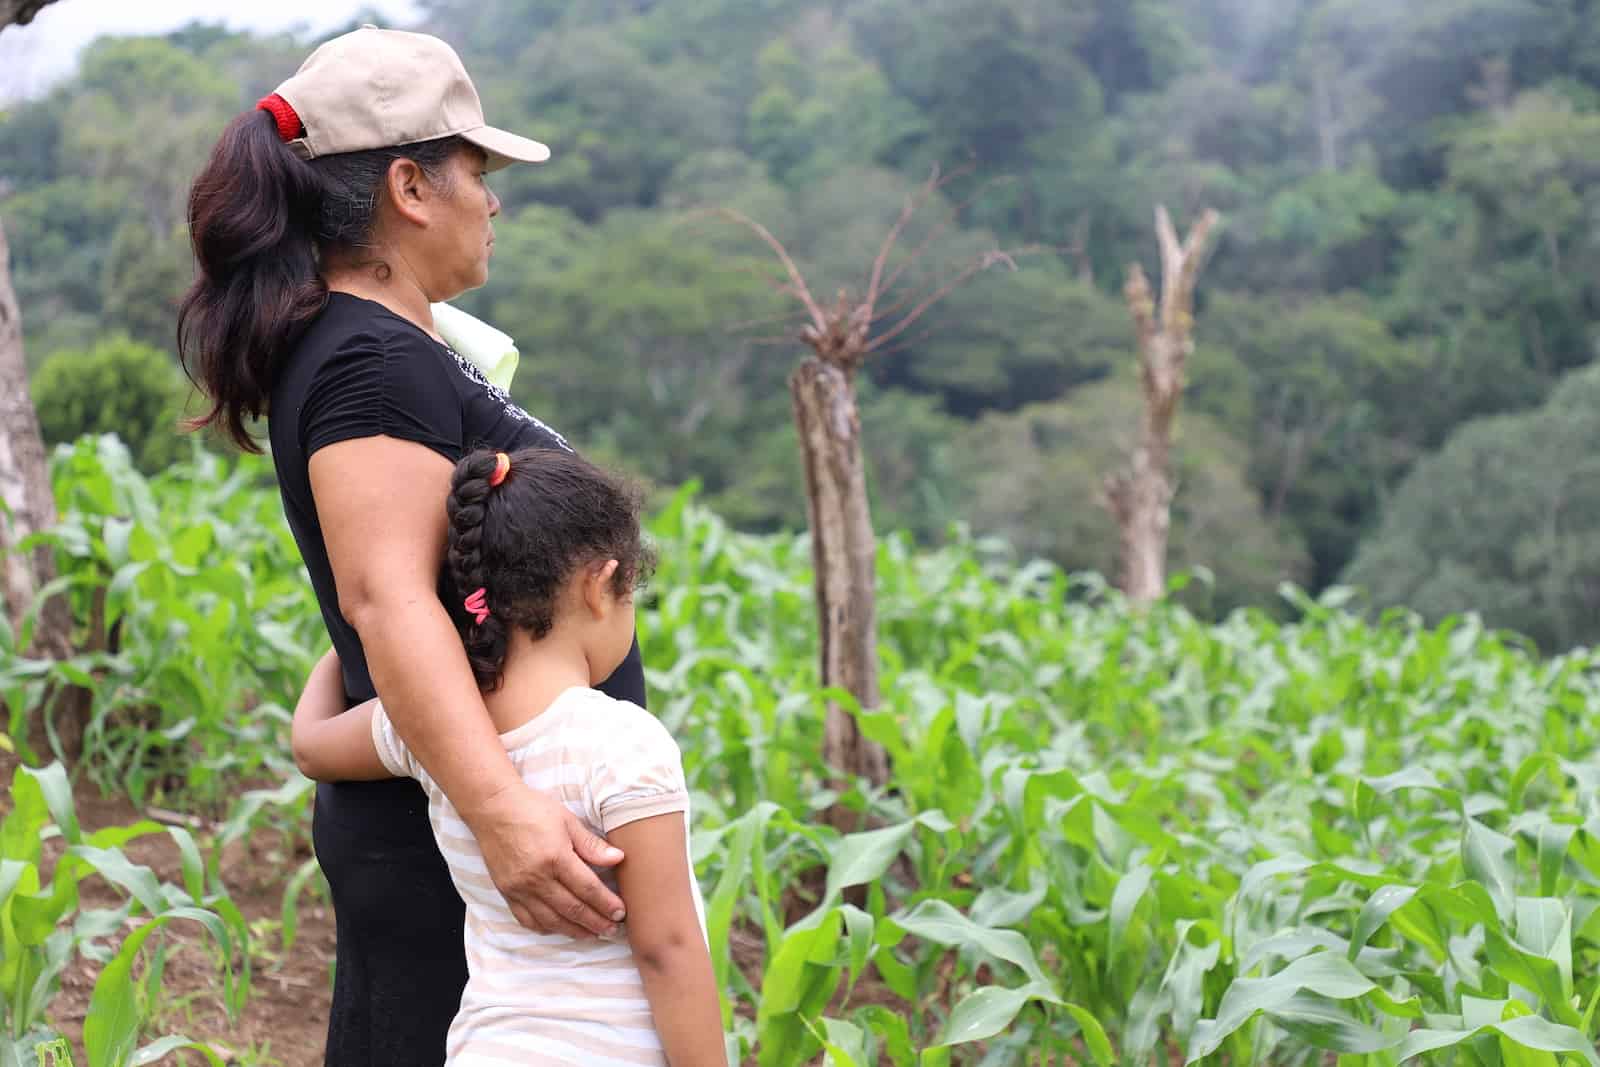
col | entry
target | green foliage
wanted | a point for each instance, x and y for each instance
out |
(1247, 840)
(120, 386)
(196, 558)
(1009, 338)
(1409, 192)
(1112, 835)
(1329, 417)
(816, 114)
(617, 125)
(1034, 478)
(663, 296)
(43, 928)
(1503, 518)
(1523, 186)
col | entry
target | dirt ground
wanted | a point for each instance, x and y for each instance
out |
(285, 1020)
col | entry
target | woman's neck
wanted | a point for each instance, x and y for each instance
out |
(535, 673)
(400, 295)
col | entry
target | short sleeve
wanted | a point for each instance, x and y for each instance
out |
(384, 382)
(392, 751)
(639, 775)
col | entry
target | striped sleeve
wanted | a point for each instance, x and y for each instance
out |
(392, 751)
(640, 775)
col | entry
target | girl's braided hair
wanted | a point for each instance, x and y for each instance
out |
(522, 540)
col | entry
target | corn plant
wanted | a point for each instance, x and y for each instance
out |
(43, 928)
(195, 623)
(1110, 837)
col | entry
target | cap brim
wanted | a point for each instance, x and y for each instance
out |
(505, 148)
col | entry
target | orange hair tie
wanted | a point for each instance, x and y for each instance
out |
(502, 467)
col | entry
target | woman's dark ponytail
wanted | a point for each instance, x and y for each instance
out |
(253, 221)
(467, 506)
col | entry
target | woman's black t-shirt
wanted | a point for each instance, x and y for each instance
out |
(360, 370)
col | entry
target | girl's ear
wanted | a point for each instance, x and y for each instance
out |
(597, 590)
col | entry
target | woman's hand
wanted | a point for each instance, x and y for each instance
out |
(538, 854)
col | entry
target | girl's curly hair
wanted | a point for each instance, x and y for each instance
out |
(522, 540)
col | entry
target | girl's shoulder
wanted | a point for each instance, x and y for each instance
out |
(613, 726)
(603, 709)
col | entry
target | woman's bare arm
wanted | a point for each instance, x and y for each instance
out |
(381, 503)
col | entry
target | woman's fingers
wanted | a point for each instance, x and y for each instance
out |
(541, 919)
(592, 905)
(590, 846)
(550, 899)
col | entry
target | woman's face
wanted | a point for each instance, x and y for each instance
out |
(459, 238)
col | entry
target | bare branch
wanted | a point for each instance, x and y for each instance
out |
(1199, 232)
(765, 320)
(1180, 266)
(798, 287)
(909, 208)
(984, 262)
(906, 342)
(1167, 237)
(944, 224)
(1142, 307)
(1177, 310)
(1026, 250)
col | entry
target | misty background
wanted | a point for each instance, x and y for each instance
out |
(1393, 385)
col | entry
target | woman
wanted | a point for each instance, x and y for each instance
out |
(324, 224)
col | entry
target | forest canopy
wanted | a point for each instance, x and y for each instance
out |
(1408, 268)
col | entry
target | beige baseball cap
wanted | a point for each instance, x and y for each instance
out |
(374, 88)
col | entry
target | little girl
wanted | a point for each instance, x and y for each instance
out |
(548, 550)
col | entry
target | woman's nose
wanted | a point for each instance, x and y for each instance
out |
(494, 204)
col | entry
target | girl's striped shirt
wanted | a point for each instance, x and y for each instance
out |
(537, 999)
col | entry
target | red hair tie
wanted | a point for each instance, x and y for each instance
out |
(502, 467)
(478, 605)
(289, 125)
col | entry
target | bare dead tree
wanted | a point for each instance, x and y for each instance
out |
(29, 505)
(24, 473)
(1140, 496)
(28, 508)
(841, 336)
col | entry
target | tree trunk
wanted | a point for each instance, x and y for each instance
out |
(1140, 497)
(842, 551)
(29, 506)
(1144, 515)
(20, 12)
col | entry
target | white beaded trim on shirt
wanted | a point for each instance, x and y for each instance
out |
(500, 397)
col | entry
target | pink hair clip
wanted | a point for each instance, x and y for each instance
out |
(478, 605)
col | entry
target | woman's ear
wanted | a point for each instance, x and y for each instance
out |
(409, 190)
(597, 589)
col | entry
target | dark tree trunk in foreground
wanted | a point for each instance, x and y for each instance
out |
(842, 551)
(20, 12)
(27, 506)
